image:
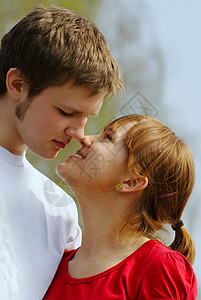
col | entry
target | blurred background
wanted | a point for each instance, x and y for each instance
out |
(158, 47)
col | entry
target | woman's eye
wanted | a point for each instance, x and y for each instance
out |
(108, 136)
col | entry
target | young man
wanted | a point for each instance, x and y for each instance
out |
(55, 69)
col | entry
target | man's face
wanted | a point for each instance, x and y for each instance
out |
(54, 117)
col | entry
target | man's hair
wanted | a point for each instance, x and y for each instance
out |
(51, 46)
(156, 152)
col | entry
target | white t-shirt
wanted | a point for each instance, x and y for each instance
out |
(37, 221)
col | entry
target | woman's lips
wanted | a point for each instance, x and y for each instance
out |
(79, 155)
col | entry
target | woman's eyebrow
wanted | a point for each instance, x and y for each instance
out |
(109, 130)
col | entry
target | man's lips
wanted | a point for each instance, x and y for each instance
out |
(60, 144)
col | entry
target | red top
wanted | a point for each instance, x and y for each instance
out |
(153, 271)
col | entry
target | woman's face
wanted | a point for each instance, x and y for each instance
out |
(101, 162)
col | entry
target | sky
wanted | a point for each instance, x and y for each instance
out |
(177, 25)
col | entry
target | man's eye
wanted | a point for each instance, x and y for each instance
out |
(108, 136)
(65, 113)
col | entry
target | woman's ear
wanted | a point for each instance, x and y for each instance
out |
(14, 83)
(133, 185)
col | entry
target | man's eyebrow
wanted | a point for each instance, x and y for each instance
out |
(71, 109)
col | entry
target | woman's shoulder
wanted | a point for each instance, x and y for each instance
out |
(153, 254)
(162, 269)
(153, 250)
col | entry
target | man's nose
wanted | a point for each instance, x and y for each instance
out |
(76, 130)
(88, 140)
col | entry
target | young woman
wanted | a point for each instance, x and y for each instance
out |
(130, 181)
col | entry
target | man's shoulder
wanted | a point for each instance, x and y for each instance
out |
(46, 182)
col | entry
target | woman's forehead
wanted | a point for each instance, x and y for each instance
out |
(124, 124)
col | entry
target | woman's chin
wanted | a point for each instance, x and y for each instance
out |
(65, 175)
(60, 171)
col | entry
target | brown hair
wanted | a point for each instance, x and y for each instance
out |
(156, 152)
(51, 46)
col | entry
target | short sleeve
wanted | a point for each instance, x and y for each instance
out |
(168, 276)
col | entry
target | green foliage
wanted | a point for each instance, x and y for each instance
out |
(11, 11)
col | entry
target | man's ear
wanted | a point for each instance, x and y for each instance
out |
(133, 185)
(14, 83)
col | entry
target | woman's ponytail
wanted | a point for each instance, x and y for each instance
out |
(183, 243)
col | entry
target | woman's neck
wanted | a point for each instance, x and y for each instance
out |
(101, 253)
(102, 214)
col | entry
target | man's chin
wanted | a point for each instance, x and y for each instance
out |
(46, 156)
